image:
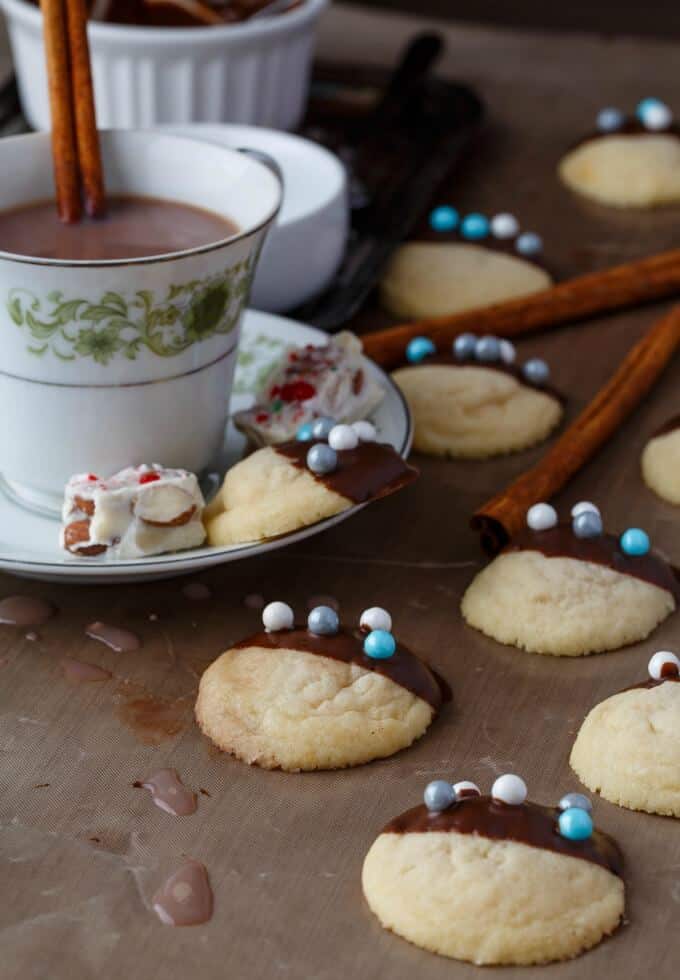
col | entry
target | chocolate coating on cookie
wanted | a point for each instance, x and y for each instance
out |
(403, 667)
(369, 471)
(561, 542)
(527, 823)
(670, 426)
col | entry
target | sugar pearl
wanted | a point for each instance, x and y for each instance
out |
(504, 226)
(304, 433)
(277, 616)
(663, 664)
(509, 789)
(321, 459)
(366, 431)
(582, 506)
(536, 371)
(321, 427)
(577, 800)
(654, 114)
(343, 437)
(376, 618)
(508, 352)
(474, 226)
(529, 243)
(439, 795)
(444, 218)
(575, 824)
(488, 349)
(541, 517)
(609, 120)
(464, 346)
(418, 348)
(379, 645)
(465, 789)
(323, 621)
(634, 542)
(587, 524)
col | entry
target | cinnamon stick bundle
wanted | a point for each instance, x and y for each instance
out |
(631, 284)
(503, 516)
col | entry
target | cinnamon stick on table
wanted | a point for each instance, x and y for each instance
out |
(75, 140)
(631, 284)
(503, 516)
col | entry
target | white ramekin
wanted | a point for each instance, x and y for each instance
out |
(256, 72)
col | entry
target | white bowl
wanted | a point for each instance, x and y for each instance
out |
(108, 363)
(305, 246)
(255, 72)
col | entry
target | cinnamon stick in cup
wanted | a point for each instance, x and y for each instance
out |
(628, 285)
(503, 516)
(75, 141)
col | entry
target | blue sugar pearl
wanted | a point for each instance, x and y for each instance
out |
(646, 105)
(419, 348)
(536, 371)
(322, 427)
(610, 119)
(464, 346)
(474, 226)
(439, 795)
(323, 621)
(529, 243)
(575, 824)
(321, 459)
(578, 800)
(634, 541)
(379, 645)
(587, 524)
(304, 433)
(488, 349)
(444, 218)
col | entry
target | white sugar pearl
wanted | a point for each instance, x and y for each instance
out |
(466, 788)
(365, 430)
(508, 352)
(376, 618)
(343, 437)
(509, 789)
(277, 616)
(657, 116)
(541, 517)
(656, 664)
(504, 226)
(582, 506)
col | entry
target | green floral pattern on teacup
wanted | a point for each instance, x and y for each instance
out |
(116, 325)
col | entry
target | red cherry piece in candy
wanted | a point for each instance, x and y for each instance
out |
(261, 417)
(92, 477)
(149, 477)
(297, 391)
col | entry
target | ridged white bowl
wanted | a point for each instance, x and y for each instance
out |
(256, 72)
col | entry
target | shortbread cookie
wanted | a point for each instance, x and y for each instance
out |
(467, 406)
(661, 462)
(320, 697)
(282, 488)
(628, 163)
(628, 747)
(496, 879)
(570, 589)
(309, 383)
(140, 511)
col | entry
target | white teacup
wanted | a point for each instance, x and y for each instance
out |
(111, 363)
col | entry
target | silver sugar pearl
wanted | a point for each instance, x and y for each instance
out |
(587, 524)
(488, 349)
(321, 459)
(464, 346)
(536, 371)
(578, 800)
(323, 621)
(322, 427)
(439, 795)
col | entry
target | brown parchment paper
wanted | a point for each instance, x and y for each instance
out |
(82, 851)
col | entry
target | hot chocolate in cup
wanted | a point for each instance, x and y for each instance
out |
(107, 361)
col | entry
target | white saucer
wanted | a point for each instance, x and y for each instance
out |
(29, 542)
(307, 242)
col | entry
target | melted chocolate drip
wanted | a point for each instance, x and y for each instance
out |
(528, 823)
(404, 668)
(669, 672)
(186, 898)
(670, 426)
(25, 610)
(120, 640)
(561, 542)
(79, 672)
(371, 471)
(169, 793)
(631, 127)
(450, 360)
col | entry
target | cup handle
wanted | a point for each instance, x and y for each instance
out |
(264, 158)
